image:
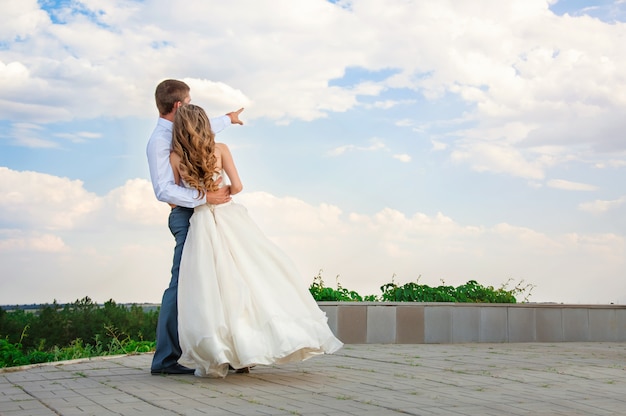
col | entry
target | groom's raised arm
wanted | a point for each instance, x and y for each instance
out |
(220, 123)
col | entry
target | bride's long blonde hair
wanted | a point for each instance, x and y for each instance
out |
(194, 142)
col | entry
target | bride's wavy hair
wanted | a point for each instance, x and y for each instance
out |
(194, 141)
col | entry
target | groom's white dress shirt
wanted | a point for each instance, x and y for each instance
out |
(161, 173)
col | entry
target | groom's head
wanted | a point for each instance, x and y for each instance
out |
(171, 94)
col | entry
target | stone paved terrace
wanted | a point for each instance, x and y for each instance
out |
(579, 378)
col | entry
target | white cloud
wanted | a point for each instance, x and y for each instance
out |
(124, 250)
(526, 75)
(218, 96)
(498, 158)
(44, 201)
(341, 149)
(19, 19)
(438, 146)
(17, 241)
(570, 186)
(134, 203)
(66, 243)
(601, 206)
(387, 104)
(375, 145)
(79, 137)
(405, 122)
(29, 135)
(610, 163)
(402, 157)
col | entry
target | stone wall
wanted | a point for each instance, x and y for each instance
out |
(432, 323)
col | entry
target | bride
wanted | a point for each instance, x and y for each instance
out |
(241, 300)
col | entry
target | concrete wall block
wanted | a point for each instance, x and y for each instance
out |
(438, 324)
(465, 324)
(603, 325)
(381, 325)
(494, 326)
(521, 324)
(410, 324)
(549, 324)
(575, 324)
(352, 324)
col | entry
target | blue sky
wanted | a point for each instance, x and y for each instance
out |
(447, 141)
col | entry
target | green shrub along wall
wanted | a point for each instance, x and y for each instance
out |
(471, 291)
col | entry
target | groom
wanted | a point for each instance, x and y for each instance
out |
(170, 95)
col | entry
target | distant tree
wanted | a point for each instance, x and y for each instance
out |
(49, 329)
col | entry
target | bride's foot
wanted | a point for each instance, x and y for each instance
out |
(243, 370)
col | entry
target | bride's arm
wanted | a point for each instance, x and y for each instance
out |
(228, 164)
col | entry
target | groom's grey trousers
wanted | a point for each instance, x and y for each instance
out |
(167, 347)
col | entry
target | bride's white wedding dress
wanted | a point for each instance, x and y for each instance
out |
(241, 300)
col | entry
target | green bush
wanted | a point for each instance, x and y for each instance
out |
(323, 293)
(471, 291)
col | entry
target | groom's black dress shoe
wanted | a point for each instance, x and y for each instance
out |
(173, 369)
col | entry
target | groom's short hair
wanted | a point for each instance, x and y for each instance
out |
(168, 93)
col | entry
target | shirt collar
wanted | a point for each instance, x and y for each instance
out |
(166, 124)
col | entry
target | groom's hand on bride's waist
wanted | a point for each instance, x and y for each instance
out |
(220, 196)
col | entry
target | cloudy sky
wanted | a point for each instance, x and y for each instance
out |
(444, 141)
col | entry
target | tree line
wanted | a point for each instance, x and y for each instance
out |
(74, 330)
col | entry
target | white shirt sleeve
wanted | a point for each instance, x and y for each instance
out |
(161, 173)
(219, 123)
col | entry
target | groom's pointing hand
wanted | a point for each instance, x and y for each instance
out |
(234, 116)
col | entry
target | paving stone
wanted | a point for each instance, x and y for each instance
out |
(420, 379)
